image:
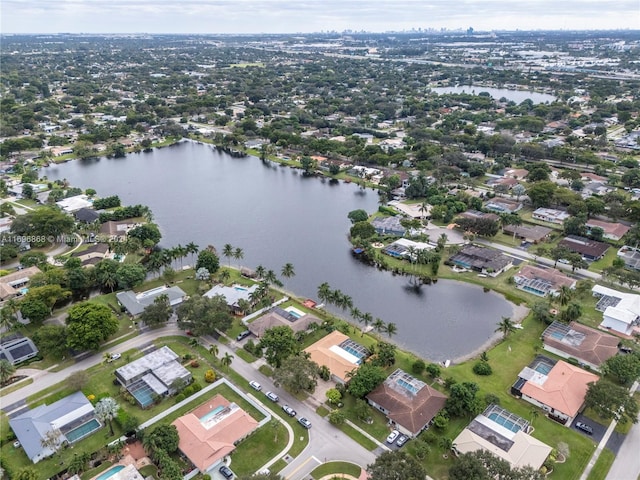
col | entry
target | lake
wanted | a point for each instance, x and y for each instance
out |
(517, 96)
(277, 215)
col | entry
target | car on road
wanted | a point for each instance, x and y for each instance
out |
(402, 439)
(584, 427)
(225, 472)
(289, 411)
(272, 396)
(304, 422)
(113, 357)
(242, 335)
(255, 385)
(392, 437)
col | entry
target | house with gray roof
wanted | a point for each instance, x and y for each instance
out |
(16, 348)
(388, 226)
(135, 303)
(67, 421)
(233, 294)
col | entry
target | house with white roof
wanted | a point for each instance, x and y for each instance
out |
(620, 311)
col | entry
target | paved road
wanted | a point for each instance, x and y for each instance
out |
(626, 466)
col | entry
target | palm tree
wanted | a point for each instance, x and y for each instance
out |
(271, 279)
(445, 443)
(260, 271)
(238, 254)
(7, 317)
(391, 329)
(194, 342)
(213, 350)
(192, 249)
(227, 251)
(288, 271)
(565, 295)
(366, 319)
(356, 313)
(224, 276)
(442, 241)
(106, 410)
(516, 221)
(324, 292)
(226, 360)
(534, 415)
(506, 326)
(379, 325)
(6, 370)
(424, 209)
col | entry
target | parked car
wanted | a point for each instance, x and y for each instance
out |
(584, 427)
(113, 357)
(255, 385)
(289, 411)
(272, 396)
(304, 422)
(225, 471)
(402, 439)
(242, 335)
(393, 436)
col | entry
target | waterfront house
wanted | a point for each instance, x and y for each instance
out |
(233, 295)
(277, 317)
(388, 226)
(401, 248)
(93, 254)
(488, 261)
(589, 249)
(75, 203)
(135, 303)
(542, 281)
(338, 353)
(86, 215)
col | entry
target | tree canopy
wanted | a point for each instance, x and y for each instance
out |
(89, 324)
(366, 378)
(297, 373)
(396, 465)
(204, 315)
(611, 401)
(278, 344)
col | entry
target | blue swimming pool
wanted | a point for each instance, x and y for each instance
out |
(212, 413)
(110, 473)
(543, 368)
(508, 424)
(240, 289)
(83, 430)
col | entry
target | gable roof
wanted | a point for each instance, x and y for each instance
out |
(563, 388)
(277, 317)
(581, 342)
(207, 439)
(410, 402)
(611, 229)
(584, 246)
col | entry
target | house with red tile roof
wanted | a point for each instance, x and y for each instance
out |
(612, 231)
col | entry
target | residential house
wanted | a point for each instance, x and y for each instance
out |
(5, 224)
(409, 404)
(596, 188)
(612, 231)
(154, 375)
(502, 205)
(16, 348)
(505, 435)
(338, 353)
(211, 432)
(65, 421)
(558, 387)
(388, 226)
(517, 173)
(75, 203)
(488, 261)
(93, 254)
(542, 281)
(402, 247)
(116, 231)
(631, 257)
(550, 215)
(529, 233)
(589, 346)
(589, 249)
(476, 215)
(135, 303)
(234, 295)
(411, 210)
(620, 311)
(277, 317)
(86, 215)
(14, 284)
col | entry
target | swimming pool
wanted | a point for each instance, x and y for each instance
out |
(240, 289)
(212, 413)
(543, 368)
(110, 473)
(294, 311)
(508, 424)
(83, 430)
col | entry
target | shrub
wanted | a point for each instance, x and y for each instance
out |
(188, 391)
(418, 366)
(196, 387)
(210, 376)
(433, 370)
(441, 421)
(573, 361)
(180, 397)
(194, 364)
(482, 368)
(490, 398)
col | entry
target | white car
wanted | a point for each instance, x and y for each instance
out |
(272, 396)
(392, 436)
(114, 356)
(255, 385)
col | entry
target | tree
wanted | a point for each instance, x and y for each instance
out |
(202, 274)
(337, 417)
(278, 344)
(565, 294)
(463, 400)
(333, 396)
(6, 370)
(106, 410)
(147, 233)
(395, 465)
(89, 325)
(129, 275)
(391, 329)
(625, 369)
(611, 401)
(209, 260)
(26, 473)
(358, 216)
(204, 315)
(34, 309)
(297, 373)
(52, 440)
(541, 193)
(433, 370)
(163, 437)
(362, 230)
(365, 379)
(51, 340)
(288, 270)
(158, 312)
(226, 360)
(386, 354)
(214, 350)
(505, 326)
(77, 380)
(227, 252)
(238, 253)
(46, 222)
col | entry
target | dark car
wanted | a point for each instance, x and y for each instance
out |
(304, 422)
(289, 411)
(584, 427)
(242, 335)
(225, 471)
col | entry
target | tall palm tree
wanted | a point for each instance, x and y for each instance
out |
(260, 271)
(324, 292)
(379, 325)
(226, 360)
(7, 318)
(224, 276)
(506, 326)
(356, 313)
(192, 249)
(6, 370)
(238, 254)
(366, 319)
(516, 221)
(214, 350)
(391, 329)
(424, 209)
(565, 295)
(534, 415)
(106, 410)
(227, 251)
(180, 253)
(288, 270)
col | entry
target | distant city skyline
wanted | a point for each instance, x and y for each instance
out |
(303, 16)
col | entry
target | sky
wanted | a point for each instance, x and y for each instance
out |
(303, 16)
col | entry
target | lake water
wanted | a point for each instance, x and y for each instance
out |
(518, 96)
(276, 216)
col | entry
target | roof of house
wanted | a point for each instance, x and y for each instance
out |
(411, 403)
(327, 351)
(87, 215)
(277, 317)
(562, 389)
(584, 246)
(96, 248)
(610, 228)
(481, 257)
(233, 294)
(388, 224)
(16, 348)
(581, 342)
(551, 276)
(135, 303)
(552, 213)
(503, 204)
(73, 204)
(120, 227)
(33, 425)
(532, 232)
(157, 361)
(474, 214)
(206, 440)
(17, 278)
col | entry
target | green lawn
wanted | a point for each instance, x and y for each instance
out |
(602, 466)
(264, 444)
(336, 468)
(357, 436)
(246, 356)
(605, 261)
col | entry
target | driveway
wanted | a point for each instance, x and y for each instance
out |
(598, 430)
